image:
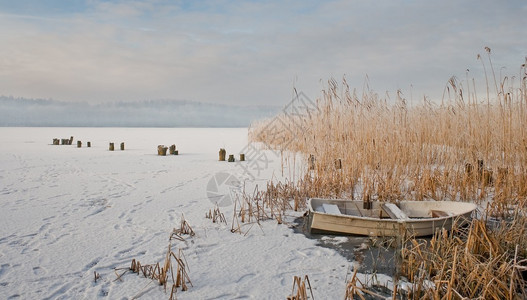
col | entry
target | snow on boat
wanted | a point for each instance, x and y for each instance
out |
(420, 218)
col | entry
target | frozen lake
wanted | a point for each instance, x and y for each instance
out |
(67, 212)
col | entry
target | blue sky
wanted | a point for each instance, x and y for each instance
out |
(250, 52)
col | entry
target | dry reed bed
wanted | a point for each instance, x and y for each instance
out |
(473, 262)
(476, 261)
(461, 149)
(466, 148)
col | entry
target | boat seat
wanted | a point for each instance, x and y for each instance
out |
(331, 209)
(394, 211)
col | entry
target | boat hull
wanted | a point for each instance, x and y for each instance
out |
(374, 222)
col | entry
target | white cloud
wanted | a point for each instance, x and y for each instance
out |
(240, 52)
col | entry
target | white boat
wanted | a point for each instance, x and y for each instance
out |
(418, 218)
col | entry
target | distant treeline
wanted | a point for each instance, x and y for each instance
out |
(152, 113)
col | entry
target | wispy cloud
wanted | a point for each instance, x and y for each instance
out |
(248, 52)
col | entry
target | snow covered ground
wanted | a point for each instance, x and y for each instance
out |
(67, 212)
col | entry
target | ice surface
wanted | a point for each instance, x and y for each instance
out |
(67, 212)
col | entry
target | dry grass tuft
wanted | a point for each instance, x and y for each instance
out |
(248, 210)
(184, 229)
(164, 275)
(355, 288)
(300, 288)
(216, 216)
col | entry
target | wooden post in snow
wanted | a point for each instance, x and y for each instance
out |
(222, 154)
(162, 150)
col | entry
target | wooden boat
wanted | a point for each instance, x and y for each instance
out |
(419, 218)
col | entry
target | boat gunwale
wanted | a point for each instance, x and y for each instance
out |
(389, 220)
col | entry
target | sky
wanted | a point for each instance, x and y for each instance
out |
(251, 52)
